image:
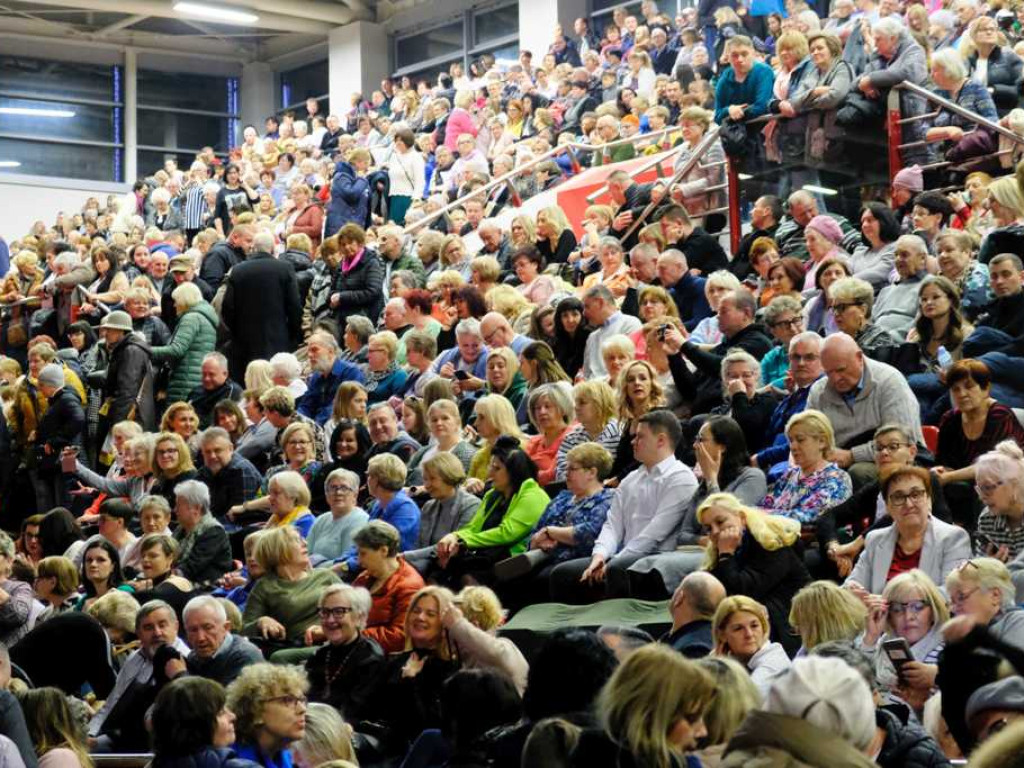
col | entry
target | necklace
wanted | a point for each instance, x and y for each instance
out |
(329, 676)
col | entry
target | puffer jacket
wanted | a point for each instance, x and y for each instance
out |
(768, 740)
(303, 266)
(360, 289)
(907, 745)
(350, 199)
(194, 337)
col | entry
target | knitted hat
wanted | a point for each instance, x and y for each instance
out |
(827, 693)
(827, 227)
(911, 178)
(1005, 694)
(52, 375)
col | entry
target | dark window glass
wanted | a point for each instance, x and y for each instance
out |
(64, 160)
(183, 91)
(57, 78)
(169, 129)
(305, 82)
(496, 23)
(89, 123)
(149, 162)
(632, 9)
(429, 74)
(442, 41)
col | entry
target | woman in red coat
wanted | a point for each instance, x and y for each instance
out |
(392, 582)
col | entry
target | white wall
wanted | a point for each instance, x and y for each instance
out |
(26, 199)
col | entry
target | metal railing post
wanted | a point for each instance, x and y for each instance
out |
(735, 222)
(894, 131)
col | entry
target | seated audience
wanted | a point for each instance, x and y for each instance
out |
(331, 534)
(741, 631)
(269, 704)
(217, 653)
(693, 607)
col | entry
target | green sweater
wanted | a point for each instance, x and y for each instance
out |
(293, 603)
(523, 513)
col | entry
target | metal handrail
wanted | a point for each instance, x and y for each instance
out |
(955, 109)
(654, 162)
(569, 146)
(702, 147)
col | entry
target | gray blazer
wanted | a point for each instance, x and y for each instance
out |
(945, 547)
(437, 521)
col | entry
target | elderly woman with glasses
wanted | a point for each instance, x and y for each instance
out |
(916, 539)
(783, 316)
(343, 671)
(1000, 484)
(913, 609)
(330, 537)
(850, 301)
(269, 703)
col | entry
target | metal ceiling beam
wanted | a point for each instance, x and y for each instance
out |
(127, 21)
(165, 10)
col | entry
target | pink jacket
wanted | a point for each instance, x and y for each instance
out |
(459, 122)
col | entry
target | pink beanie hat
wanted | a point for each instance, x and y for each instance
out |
(911, 178)
(827, 227)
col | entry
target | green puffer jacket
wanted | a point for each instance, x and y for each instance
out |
(194, 337)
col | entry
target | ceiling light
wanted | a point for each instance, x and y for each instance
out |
(819, 190)
(744, 176)
(216, 13)
(9, 164)
(36, 112)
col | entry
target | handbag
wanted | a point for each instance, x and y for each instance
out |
(734, 137)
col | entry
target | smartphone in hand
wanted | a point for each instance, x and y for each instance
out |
(68, 459)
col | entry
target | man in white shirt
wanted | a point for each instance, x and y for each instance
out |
(603, 314)
(644, 517)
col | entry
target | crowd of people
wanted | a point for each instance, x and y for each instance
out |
(286, 438)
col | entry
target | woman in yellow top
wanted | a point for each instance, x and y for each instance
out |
(494, 418)
(289, 499)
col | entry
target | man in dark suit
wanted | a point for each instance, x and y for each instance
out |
(663, 55)
(261, 307)
(693, 606)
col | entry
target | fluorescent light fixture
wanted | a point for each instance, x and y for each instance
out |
(9, 164)
(819, 190)
(744, 176)
(36, 112)
(216, 13)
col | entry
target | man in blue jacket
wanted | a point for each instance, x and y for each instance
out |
(350, 192)
(329, 372)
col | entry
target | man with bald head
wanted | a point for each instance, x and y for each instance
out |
(693, 605)
(859, 395)
(685, 288)
(497, 332)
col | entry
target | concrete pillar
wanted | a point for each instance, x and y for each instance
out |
(257, 97)
(537, 20)
(357, 61)
(131, 123)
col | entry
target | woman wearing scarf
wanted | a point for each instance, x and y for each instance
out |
(358, 285)
(384, 379)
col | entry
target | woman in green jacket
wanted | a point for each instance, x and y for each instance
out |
(194, 337)
(501, 526)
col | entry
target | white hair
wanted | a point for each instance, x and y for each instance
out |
(205, 601)
(285, 364)
(951, 63)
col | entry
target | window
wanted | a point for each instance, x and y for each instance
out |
(436, 43)
(495, 24)
(184, 92)
(83, 141)
(310, 81)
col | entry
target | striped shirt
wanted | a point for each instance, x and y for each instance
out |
(994, 526)
(608, 439)
(194, 206)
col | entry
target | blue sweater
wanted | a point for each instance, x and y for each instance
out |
(402, 513)
(755, 91)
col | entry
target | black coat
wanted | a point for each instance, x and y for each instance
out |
(361, 290)
(703, 252)
(209, 558)
(771, 578)
(907, 745)
(168, 312)
(218, 262)
(129, 383)
(356, 680)
(704, 387)
(303, 266)
(262, 310)
(60, 426)
(1004, 77)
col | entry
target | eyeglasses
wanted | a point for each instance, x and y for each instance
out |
(167, 452)
(293, 443)
(962, 597)
(797, 359)
(900, 499)
(838, 309)
(794, 322)
(912, 606)
(340, 489)
(289, 700)
(889, 447)
(986, 488)
(335, 613)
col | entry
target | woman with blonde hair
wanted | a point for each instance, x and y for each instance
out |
(445, 427)
(752, 553)
(472, 624)
(522, 231)
(494, 417)
(259, 375)
(596, 409)
(737, 696)
(824, 612)
(651, 712)
(555, 238)
(172, 464)
(52, 727)
(182, 419)
(741, 630)
(639, 390)
(912, 608)
(504, 377)
(1006, 202)
(328, 737)
(813, 482)
(350, 402)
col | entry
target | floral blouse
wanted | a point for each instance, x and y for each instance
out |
(804, 498)
(586, 517)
